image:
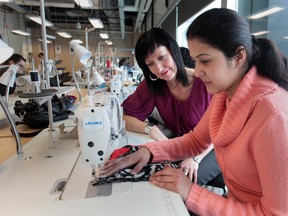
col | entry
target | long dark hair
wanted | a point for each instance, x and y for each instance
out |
(146, 44)
(226, 30)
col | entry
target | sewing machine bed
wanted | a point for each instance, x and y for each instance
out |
(27, 185)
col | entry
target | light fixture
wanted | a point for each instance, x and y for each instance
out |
(98, 79)
(104, 35)
(78, 25)
(286, 37)
(8, 79)
(50, 37)
(47, 41)
(109, 42)
(38, 20)
(6, 51)
(266, 13)
(6, 0)
(84, 3)
(20, 32)
(78, 41)
(64, 34)
(82, 53)
(96, 22)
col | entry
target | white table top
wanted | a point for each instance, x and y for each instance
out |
(25, 185)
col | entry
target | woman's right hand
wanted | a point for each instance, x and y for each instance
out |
(140, 158)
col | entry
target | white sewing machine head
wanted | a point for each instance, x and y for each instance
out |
(28, 83)
(99, 125)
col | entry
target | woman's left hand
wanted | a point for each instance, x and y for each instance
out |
(190, 168)
(172, 179)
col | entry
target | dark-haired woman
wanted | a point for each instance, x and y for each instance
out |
(174, 97)
(247, 121)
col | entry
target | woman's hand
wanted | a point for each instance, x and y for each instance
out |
(156, 134)
(190, 168)
(172, 179)
(140, 158)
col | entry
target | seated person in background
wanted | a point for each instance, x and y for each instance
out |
(179, 98)
(17, 60)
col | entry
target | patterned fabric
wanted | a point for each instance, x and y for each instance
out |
(125, 176)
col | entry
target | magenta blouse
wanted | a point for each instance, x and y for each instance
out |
(179, 116)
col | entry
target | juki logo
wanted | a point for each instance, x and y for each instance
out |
(94, 123)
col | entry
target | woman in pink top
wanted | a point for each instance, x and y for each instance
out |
(247, 121)
(179, 98)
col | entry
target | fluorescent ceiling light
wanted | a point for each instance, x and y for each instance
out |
(96, 22)
(50, 37)
(266, 13)
(78, 41)
(84, 3)
(260, 33)
(64, 34)
(6, 0)
(20, 32)
(104, 35)
(47, 41)
(286, 37)
(38, 20)
(109, 42)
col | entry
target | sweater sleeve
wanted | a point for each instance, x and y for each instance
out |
(270, 152)
(272, 168)
(190, 144)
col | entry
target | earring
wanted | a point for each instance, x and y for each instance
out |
(153, 79)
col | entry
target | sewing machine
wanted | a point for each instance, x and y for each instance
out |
(99, 130)
(53, 181)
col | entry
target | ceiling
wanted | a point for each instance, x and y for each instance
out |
(118, 16)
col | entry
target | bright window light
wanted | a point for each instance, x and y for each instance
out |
(266, 13)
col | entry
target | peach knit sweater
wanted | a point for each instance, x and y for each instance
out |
(250, 136)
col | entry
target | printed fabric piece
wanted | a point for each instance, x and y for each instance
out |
(125, 176)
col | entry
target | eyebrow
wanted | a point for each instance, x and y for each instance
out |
(201, 55)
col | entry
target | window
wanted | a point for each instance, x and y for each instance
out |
(272, 26)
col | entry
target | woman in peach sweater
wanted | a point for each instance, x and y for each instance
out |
(247, 121)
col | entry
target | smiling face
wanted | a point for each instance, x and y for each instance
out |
(217, 72)
(161, 63)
